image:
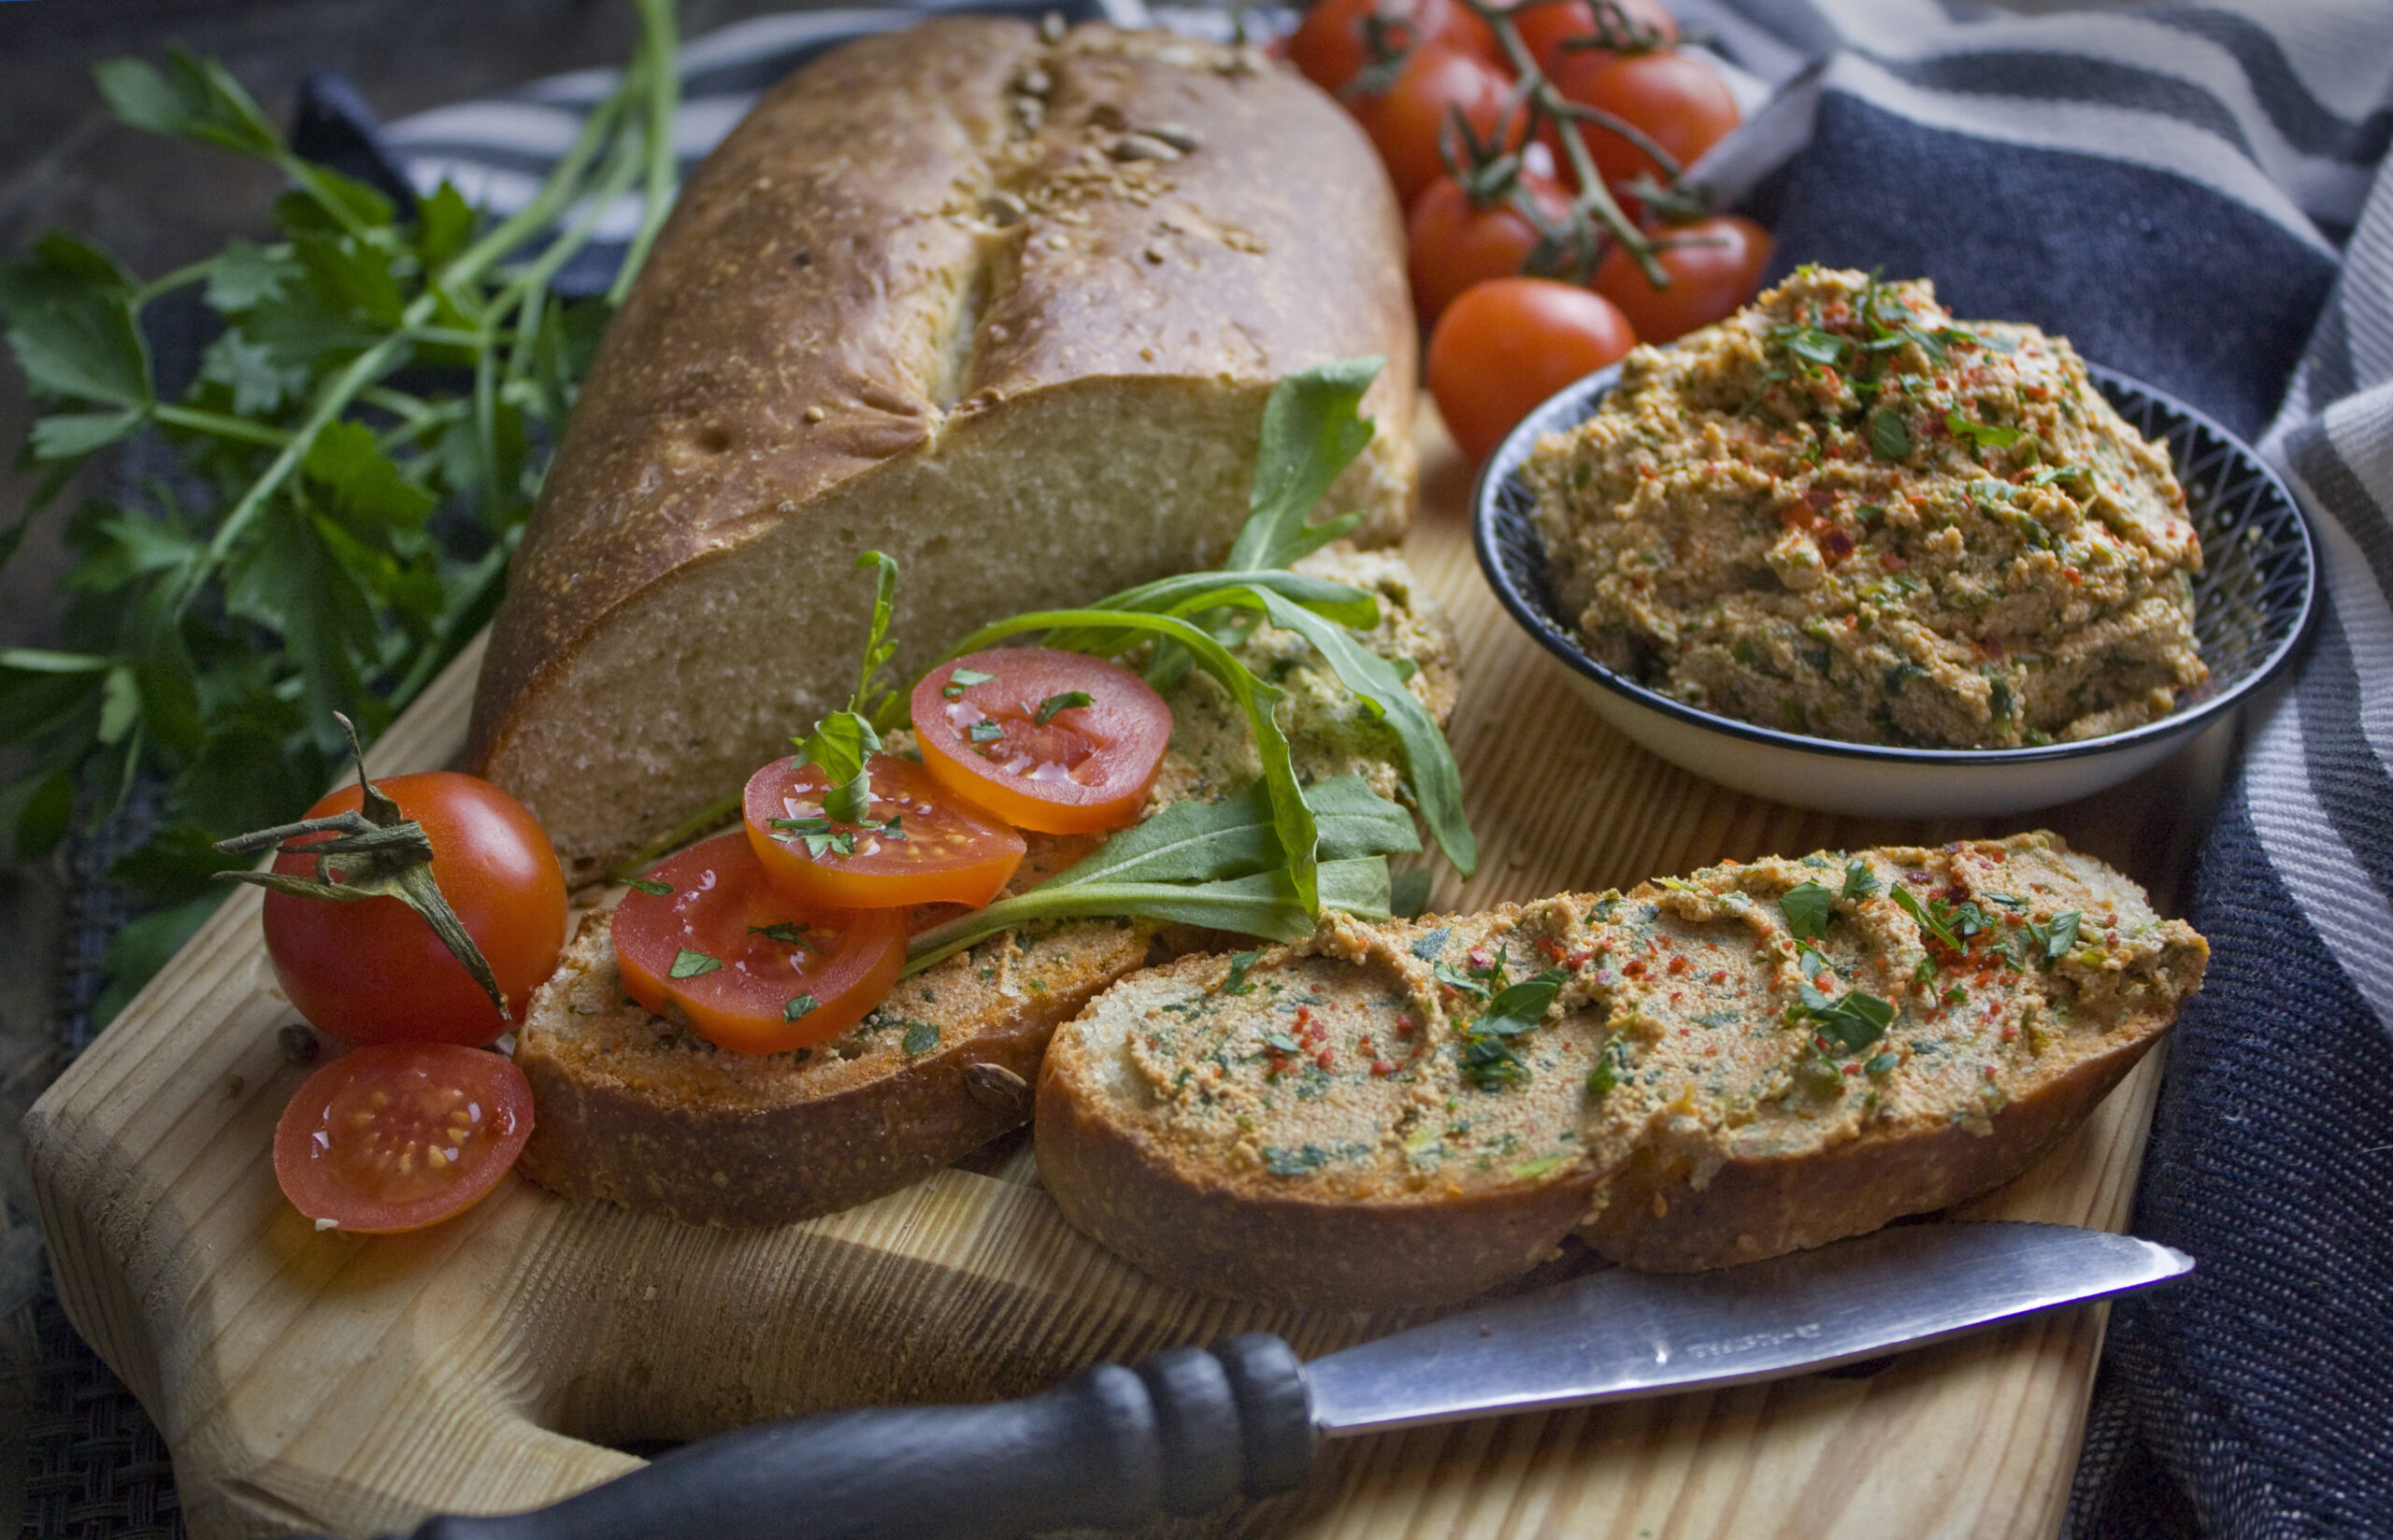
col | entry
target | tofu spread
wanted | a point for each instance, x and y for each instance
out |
(1842, 513)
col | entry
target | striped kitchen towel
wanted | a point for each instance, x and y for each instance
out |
(2195, 194)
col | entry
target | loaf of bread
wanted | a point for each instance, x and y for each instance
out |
(634, 1110)
(1005, 308)
(1758, 1059)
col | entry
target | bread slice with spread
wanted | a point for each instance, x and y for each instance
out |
(1753, 1059)
(634, 1109)
(1005, 305)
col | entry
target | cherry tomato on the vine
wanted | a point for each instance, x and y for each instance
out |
(740, 962)
(925, 845)
(1547, 24)
(372, 971)
(1331, 47)
(400, 1135)
(1059, 742)
(1506, 344)
(1455, 243)
(1412, 118)
(1678, 101)
(1715, 265)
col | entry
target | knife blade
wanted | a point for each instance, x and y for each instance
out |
(1191, 1429)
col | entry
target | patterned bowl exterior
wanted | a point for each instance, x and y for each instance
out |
(2252, 609)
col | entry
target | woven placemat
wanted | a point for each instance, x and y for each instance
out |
(96, 1467)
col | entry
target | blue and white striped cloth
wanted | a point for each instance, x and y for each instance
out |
(2195, 194)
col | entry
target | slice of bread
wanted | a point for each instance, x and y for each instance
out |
(1324, 1127)
(632, 1109)
(939, 296)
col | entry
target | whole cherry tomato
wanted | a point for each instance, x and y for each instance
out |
(925, 845)
(1412, 118)
(1055, 741)
(372, 971)
(1331, 45)
(705, 940)
(1714, 264)
(1678, 101)
(1506, 345)
(1547, 24)
(400, 1135)
(1455, 243)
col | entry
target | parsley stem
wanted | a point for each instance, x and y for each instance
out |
(721, 810)
(219, 424)
(660, 55)
(171, 282)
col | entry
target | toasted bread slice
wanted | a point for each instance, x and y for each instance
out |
(634, 1110)
(1336, 1124)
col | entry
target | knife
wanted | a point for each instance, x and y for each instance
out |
(1191, 1429)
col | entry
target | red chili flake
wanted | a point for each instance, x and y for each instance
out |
(1664, 942)
(1322, 1059)
(1680, 966)
(2072, 575)
(1363, 1042)
(1720, 975)
(1676, 996)
(1711, 1052)
(1820, 498)
(1991, 1073)
(1891, 561)
(1381, 1067)
(1581, 958)
(1634, 969)
(1853, 1069)
(1479, 959)
(1835, 545)
(1990, 647)
(1406, 1026)
(2010, 1034)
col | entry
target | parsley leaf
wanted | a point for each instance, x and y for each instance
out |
(1889, 435)
(841, 741)
(1236, 983)
(1064, 702)
(690, 964)
(1929, 919)
(800, 1007)
(1807, 907)
(1855, 1019)
(960, 678)
(1985, 436)
(1859, 881)
(652, 889)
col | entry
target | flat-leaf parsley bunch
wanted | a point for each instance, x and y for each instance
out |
(354, 463)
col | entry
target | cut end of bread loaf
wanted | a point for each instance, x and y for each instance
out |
(636, 1111)
(1336, 1125)
(921, 303)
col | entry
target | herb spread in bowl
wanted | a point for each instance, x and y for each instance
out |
(1844, 514)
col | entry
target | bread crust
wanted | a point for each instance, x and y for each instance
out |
(910, 249)
(633, 1110)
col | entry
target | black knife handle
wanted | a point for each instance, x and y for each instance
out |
(1183, 1433)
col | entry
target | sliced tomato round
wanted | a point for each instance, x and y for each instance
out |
(399, 1135)
(921, 845)
(705, 940)
(1059, 742)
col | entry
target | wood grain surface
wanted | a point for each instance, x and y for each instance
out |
(353, 1384)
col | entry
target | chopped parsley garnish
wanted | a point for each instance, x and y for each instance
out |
(984, 731)
(963, 679)
(2046, 476)
(1236, 983)
(2048, 943)
(651, 888)
(1933, 918)
(1889, 435)
(1855, 1019)
(1488, 1061)
(1807, 907)
(690, 964)
(1454, 978)
(1985, 436)
(801, 1007)
(1064, 702)
(1429, 945)
(1610, 1065)
(784, 933)
(1859, 881)
(841, 741)
(1279, 1042)
(921, 1037)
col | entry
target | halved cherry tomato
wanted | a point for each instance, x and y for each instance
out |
(1085, 766)
(1715, 265)
(1508, 343)
(930, 846)
(1455, 243)
(1410, 120)
(1680, 102)
(1547, 24)
(399, 1135)
(372, 971)
(1330, 46)
(742, 964)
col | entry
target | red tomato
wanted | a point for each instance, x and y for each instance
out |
(1545, 27)
(1508, 343)
(400, 1135)
(1455, 243)
(1086, 767)
(1330, 47)
(941, 851)
(1410, 120)
(373, 972)
(1678, 101)
(1712, 273)
(743, 965)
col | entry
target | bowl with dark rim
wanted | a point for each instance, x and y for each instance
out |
(2252, 609)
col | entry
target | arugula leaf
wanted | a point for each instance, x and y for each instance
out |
(1202, 841)
(1807, 907)
(1930, 919)
(1311, 430)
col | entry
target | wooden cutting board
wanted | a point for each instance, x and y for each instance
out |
(353, 1384)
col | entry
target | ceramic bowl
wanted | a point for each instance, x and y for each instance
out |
(2252, 606)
